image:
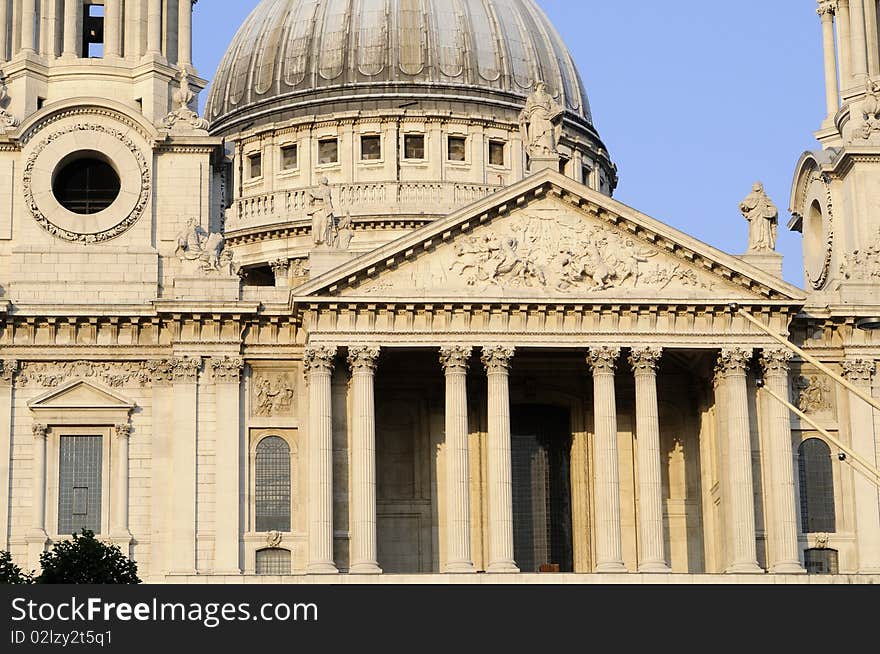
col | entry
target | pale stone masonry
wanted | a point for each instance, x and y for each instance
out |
(376, 317)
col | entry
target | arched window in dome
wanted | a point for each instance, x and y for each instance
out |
(817, 487)
(272, 485)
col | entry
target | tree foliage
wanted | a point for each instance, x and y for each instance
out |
(86, 560)
(11, 573)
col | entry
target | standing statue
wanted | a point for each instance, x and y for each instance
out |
(7, 120)
(541, 123)
(322, 212)
(870, 110)
(344, 233)
(763, 217)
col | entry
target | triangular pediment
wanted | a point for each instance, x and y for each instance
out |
(549, 238)
(81, 395)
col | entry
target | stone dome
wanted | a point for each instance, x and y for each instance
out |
(298, 57)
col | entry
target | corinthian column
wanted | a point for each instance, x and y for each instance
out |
(154, 28)
(37, 537)
(112, 28)
(72, 13)
(861, 422)
(652, 557)
(732, 367)
(455, 360)
(8, 368)
(184, 36)
(844, 43)
(227, 386)
(496, 359)
(318, 363)
(28, 26)
(364, 560)
(782, 527)
(119, 531)
(858, 42)
(832, 93)
(609, 551)
(184, 456)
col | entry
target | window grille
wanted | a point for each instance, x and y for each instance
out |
(79, 484)
(272, 480)
(821, 562)
(817, 487)
(273, 562)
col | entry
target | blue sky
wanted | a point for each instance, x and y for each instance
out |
(695, 100)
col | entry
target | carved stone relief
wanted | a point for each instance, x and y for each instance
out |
(542, 251)
(863, 265)
(273, 394)
(812, 394)
(115, 375)
(204, 252)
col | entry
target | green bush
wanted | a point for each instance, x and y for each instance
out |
(11, 573)
(86, 560)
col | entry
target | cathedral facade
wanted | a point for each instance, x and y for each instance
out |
(376, 314)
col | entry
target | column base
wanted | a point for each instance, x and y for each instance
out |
(461, 568)
(744, 569)
(503, 567)
(365, 569)
(654, 568)
(788, 568)
(322, 569)
(615, 567)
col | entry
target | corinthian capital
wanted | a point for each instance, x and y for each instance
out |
(603, 359)
(734, 360)
(40, 431)
(827, 8)
(122, 431)
(859, 370)
(227, 370)
(455, 358)
(186, 369)
(363, 358)
(776, 361)
(8, 368)
(645, 360)
(497, 358)
(319, 358)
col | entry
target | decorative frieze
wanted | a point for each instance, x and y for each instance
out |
(227, 370)
(113, 374)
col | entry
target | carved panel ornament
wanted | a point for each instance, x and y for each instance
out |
(561, 252)
(146, 185)
(812, 394)
(455, 358)
(273, 394)
(113, 374)
(863, 265)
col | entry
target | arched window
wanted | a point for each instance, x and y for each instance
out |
(817, 487)
(273, 562)
(272, 485)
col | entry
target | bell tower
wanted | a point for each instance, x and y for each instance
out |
(836, 192)
(130, 51)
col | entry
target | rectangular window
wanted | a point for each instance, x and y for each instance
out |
(273, 562)
(821, 562)
(255, 162)
(496, 153)
(289, 157)
(371, 148)
(457, 146)
(587, 174)
(414, 146)
(93, 31)
(79, 484)
(328, 151)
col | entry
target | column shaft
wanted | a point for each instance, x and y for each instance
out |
(4, 29)
(832, 92)
(364, 557)
(458, 520)
(844, 44)
(37, 536)
(652, 557)
(782, 525)
(858, 42)
(119, 530)
(501, 558)
(112, 31)
(227, 378)
(867, 501)
(72, 27)
(7, 373)
(184, 450)
(872, 36)
(609, 549)
(741, 502)
(28, 26)
(154, 28)
(184, 38)
(319, 368)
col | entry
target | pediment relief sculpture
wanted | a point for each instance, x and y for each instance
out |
(545, 250)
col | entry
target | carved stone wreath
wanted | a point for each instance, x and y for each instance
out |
(105, 235)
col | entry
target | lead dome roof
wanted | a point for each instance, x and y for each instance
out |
(307, 53)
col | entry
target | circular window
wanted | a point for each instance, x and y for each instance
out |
(85, 183)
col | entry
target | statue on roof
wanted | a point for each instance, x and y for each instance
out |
(541, 123)
(763, 217)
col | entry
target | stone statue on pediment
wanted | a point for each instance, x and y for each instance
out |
(763, 217)
(541, 123)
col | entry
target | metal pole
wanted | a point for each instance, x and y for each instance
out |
(809, 358)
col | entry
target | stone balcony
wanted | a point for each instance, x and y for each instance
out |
(361, 200)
